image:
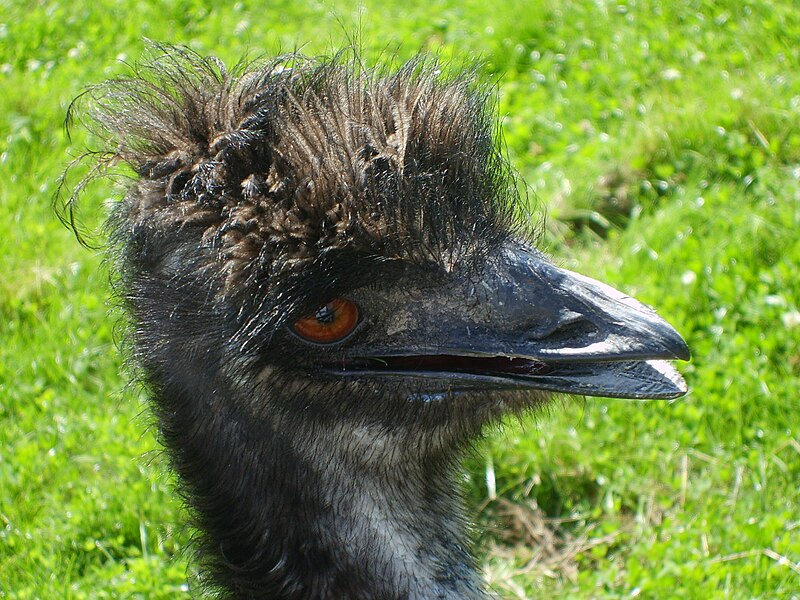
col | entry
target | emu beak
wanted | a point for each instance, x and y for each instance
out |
(527, 324)
(581, 336)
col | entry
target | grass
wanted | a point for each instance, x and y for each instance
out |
(663, 139)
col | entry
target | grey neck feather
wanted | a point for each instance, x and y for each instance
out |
(401, 522)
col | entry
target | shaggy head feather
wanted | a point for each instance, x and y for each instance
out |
(280, 165)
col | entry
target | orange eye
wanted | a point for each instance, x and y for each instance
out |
(330, 323)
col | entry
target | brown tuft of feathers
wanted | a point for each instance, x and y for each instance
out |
(277, 163)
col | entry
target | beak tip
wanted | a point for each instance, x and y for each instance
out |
(682, 351)
(676, 345)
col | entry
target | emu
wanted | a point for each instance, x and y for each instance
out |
(332, 291)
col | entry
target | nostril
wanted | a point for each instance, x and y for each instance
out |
(568, 325)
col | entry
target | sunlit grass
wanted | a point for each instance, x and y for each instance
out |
(664, 139)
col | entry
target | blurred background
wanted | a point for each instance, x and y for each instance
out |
(662, 141)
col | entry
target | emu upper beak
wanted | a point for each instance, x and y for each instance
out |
(529, 324)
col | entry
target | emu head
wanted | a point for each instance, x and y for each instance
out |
(328, 263)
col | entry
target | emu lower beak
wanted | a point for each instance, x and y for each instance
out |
(530, 324)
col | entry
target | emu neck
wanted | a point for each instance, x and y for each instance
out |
(297, 509)
(392, 518)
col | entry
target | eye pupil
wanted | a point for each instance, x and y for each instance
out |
(325, 315)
